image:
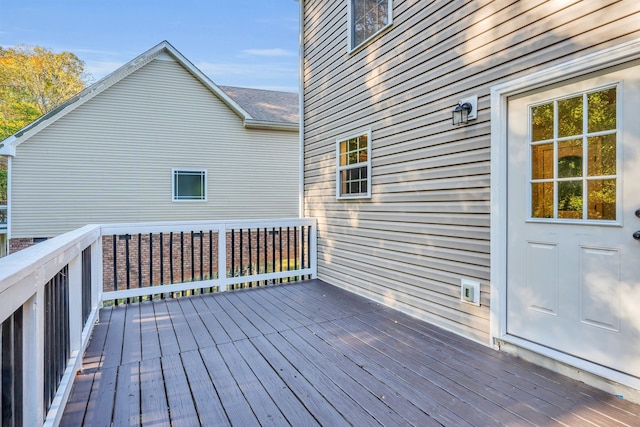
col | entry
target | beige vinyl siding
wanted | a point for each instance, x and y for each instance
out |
(111, 159)
(427, 224)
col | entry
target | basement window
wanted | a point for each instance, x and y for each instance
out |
(189, 185)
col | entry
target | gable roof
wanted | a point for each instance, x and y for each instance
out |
(273, 110)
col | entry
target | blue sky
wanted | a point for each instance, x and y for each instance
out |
(248, 43)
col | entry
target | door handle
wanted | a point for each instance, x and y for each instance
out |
(636, 235)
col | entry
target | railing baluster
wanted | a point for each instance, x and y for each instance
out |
(86, 284)
(250, 258)
(128, 263)
(233, 254)
(280, 249)
(193, 270)
(11, 387)
(181, 257)
(151, 262)
(139, 263)
(211, 256)
(171, 257)
(266, 253)
(201, 258)
(295, 249)
(258, 271)
(161, 249)
(241, 258)
(115, 265)
(288, 250)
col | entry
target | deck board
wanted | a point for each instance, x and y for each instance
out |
(310, 354)
(154, 408)
(149, 339)
(205, 398)
(126, 411)
(235, 404)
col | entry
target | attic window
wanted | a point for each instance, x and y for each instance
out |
(189, 185)
(368, 18)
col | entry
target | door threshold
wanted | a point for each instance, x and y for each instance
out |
(609, 380)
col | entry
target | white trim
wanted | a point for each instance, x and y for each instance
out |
(499, 103)
(350, 46)
(339, 168)
(9, 203)
(301, 110)
(194, 171)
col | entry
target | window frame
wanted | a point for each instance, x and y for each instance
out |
(585, 178)
(351, 28)
(340, 169)
(204, 178)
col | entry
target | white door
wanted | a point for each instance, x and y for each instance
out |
(573, 264)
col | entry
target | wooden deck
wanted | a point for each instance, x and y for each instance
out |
(311, 354)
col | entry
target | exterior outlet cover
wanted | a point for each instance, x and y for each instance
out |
(470, 291)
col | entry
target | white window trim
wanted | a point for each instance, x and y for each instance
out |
(173, 185)
(339, 168)
(350, 46)
(500, 95)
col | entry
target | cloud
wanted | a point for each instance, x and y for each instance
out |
(269, 52)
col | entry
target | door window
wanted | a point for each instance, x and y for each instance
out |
(573, 157)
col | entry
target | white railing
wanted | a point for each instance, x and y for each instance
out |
(3, 217)
(75, 263)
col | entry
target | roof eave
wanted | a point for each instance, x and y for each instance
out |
(265, 125)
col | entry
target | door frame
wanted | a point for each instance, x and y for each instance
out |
(500, 94)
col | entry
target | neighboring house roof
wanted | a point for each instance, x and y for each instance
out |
(258, 108)
(266, 105)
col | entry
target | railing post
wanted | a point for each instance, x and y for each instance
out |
(222, 257)
(75, 304)
(97, 283)
(33, 359)
(313, 249)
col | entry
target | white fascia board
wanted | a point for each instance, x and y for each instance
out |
(8, 146)
(261, 124)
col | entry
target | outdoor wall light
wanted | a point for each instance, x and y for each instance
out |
(467, 109)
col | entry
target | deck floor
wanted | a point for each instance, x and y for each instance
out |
(311, 354)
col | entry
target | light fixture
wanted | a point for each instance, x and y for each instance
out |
(461, 113)
(465, 110)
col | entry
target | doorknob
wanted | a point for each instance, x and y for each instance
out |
(636, 235)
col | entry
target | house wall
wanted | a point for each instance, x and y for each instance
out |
(111, 159)
(427, 224)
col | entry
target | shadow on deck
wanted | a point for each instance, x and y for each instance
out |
(311, 354)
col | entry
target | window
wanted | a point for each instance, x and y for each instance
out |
(573, 152)
(368, 18)
(189, 185)
(353, 169)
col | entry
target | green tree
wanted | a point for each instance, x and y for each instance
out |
(34, 81)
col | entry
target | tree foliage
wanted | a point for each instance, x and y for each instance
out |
(34, 81)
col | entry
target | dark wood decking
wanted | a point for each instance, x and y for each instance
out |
(311, 354)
